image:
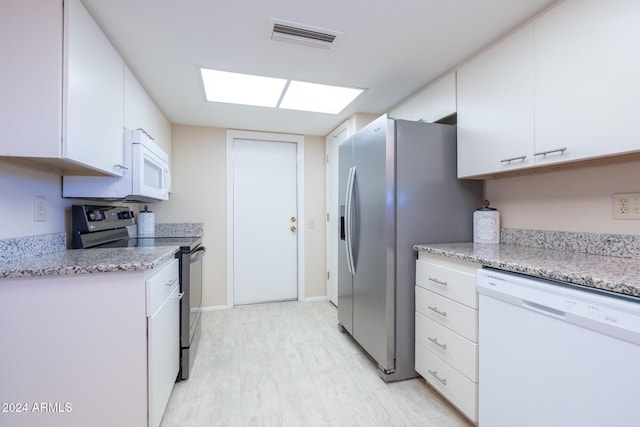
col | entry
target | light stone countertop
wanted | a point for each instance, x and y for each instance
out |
(615, 274)
(84, 261)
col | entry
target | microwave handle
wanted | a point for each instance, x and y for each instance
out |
(167, 180)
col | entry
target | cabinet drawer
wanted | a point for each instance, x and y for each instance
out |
(455, 284)
(455, 316)
(160, 284)
(456, 350)
(458, 389)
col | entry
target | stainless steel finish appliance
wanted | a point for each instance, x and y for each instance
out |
(555, 354)
(397, 188)
(107, 227)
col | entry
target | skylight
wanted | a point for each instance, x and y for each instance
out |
(234, 88)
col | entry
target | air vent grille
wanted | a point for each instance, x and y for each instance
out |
(302, 34)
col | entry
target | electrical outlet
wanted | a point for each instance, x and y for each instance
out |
(39, 209)
(626, 206)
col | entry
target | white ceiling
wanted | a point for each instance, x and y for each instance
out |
(392, 48)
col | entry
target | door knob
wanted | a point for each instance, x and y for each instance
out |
(293, 219)
(293, 228)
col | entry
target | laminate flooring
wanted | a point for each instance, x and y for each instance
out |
(286, 364)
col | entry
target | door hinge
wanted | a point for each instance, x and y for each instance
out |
(327, 216)
(327, 158)
(328, 275)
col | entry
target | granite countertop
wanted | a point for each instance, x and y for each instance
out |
(615, 274)
(83, 261)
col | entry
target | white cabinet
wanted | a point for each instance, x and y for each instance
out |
(62, 100)
(163, 355)
(80, 342)
(446, 329)
(562, 88)
(495, 108)
(93, 99)
(140, 112)
(587, 96)
(436, 101)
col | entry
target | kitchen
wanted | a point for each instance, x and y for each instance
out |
(574, 198)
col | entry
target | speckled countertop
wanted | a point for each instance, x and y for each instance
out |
(615, 274)
(83, 261)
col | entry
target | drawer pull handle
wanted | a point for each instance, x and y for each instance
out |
(513, 159)
(438, 282)
(435, 309)
(179, 296)
(438, 377)
(436, 342)
(171, 282)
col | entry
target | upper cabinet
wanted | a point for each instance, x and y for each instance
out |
(587, 74)
(562, 88)
(93, 96)
(140, 112)
(63, 89)
(495, 108)
(436, 101)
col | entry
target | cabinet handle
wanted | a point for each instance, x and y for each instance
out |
(436, 342)
(438, 282)
(179, 296)
(171, 282)
(438, 377)
(441, 313)
(122, 167)
(557, 150)
(513, 158)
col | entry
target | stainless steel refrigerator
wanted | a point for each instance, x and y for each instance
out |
(397, 188)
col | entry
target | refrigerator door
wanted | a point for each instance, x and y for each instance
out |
(345, 278)
(374, 241)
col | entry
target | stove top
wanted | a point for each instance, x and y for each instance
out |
(139, 242)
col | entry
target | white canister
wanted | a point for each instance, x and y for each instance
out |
(146, 223)
(486, 225)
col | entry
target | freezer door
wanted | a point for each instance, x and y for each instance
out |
(374, 241)
(345, 279)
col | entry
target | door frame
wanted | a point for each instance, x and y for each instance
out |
(339, 134)
(271, 137)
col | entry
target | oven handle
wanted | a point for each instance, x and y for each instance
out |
(198, 254)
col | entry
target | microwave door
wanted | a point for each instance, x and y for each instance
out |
(150, 179)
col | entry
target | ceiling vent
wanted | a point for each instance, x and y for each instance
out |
(306, 35)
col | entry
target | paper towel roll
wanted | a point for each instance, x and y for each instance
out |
(146, 223)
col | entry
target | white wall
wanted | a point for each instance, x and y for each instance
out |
(20, 181)
(199, 195)
(574, 199)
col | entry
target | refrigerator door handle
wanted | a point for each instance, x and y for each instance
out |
(348, 220)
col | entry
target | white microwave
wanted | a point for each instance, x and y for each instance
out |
(146, 176)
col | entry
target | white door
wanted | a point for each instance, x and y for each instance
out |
(265, 221)
(331, 143)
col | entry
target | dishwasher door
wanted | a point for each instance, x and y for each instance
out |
(555, 355)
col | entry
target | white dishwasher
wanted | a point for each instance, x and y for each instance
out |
(552, 354)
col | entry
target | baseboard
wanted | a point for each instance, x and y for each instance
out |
(214, 308)
(315, 299)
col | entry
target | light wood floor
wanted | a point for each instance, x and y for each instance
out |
(286, 364)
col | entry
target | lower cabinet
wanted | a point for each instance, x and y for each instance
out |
(447, 329)
(76, 352)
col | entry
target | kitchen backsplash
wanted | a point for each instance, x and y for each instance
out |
(31, 246)
(179, 229)
(619, 245)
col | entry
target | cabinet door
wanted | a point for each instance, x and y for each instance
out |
(93, 109)
(495, 108)
(163, 355)
(587, 63)
(31, 78)
(140, 112)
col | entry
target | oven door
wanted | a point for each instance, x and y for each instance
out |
(195, 287)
